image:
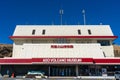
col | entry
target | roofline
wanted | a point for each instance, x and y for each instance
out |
(63, 25)
(19, 37)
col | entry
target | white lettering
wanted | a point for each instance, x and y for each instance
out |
(69, 60)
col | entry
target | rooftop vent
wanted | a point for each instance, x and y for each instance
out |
(33, 32)
(43, 32)
(89, 32)
(79, 32)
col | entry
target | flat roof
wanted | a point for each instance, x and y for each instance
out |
(63, 30)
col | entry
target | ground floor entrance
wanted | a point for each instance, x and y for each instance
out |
(61, 70)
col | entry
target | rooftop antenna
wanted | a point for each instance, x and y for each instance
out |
(61, 13)
(78, 23)
(52, 23)
(84, 18)
(101, 23)
(65, 23)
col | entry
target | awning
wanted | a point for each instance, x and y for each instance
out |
(21, 61)
(107, 61)
(62, 60)
(6, 61)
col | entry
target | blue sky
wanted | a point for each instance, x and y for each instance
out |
(44, 12)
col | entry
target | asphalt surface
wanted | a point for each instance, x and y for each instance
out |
(50, 79)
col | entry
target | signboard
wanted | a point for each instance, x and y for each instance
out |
(104, 72)
(47, 61)
(52, 60)
(61, 46)
(62, 60)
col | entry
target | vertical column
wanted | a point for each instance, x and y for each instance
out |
(76, 70)
(0, 68)
(49, 71)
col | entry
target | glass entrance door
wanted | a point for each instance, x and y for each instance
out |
(62, 71)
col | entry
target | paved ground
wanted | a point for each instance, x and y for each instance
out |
(51, 79)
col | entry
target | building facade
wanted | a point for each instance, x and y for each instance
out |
(62, 50)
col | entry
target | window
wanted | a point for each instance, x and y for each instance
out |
(79, 32)
(43, 32)
(61, 40)
(33, 32)
(89, 31)
(104, 42)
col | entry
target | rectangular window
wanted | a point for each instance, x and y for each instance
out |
(43, 32)
(89, 31)
(104, 42)
(61, 40)
(33, 32)
(79, 32)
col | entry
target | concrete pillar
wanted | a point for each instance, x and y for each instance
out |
(0, 68)
(77, 74)
(49, 71)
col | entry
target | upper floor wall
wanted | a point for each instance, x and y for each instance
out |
(59, 34)
(59, 51)
(63, 30)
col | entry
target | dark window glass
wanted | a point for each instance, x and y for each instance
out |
(89, 31)
(43, 32)
(33, 32)
(79, 32)
(104, 42)
(61, 40)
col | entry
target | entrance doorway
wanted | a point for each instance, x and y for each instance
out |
(62, 71)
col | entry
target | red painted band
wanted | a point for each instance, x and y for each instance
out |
(12, 37)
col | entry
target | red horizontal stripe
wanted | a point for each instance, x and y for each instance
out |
(15, 61)
(87, 60)
(63, 37)
(41, 61)
(81, 59)
(37, 59)
(107, 61)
